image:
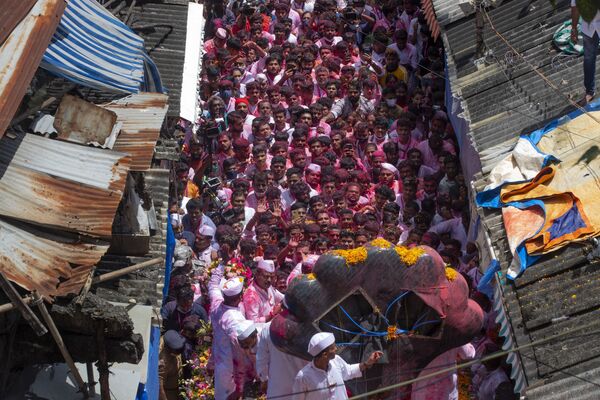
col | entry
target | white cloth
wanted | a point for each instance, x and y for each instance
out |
(276, 367)
(589, 28)
(311, 378)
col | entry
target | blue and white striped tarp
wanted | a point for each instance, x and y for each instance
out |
(95, 49)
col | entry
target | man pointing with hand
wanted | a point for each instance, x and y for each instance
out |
(324, 377)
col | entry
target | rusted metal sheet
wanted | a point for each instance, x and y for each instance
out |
(430, 17)
(21, 52)
(142, 116)
(80, 121)
(13, 12)
(66, 186)
(36, 260)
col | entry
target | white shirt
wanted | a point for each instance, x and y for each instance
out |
(276, 367)
(589, 28)
(408, 56)
(224, 319)
(311, 378)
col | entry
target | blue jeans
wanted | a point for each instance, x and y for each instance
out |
(590, 49)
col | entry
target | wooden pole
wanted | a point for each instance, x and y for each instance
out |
(99, 279)
(61, 345)
(18, 302)
(4, 308)
(102, 363)
(90, 376)
(127, 270)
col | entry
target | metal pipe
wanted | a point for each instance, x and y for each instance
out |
(61, 345)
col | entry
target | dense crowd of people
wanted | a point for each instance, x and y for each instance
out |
(324, 128)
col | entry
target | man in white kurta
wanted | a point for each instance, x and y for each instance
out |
(275, 368)
(224, 320)
(324, 377)
(261, 299)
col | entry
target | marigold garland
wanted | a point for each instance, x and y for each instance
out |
(381, 243)
(311, 277)
(200, 386)
(409, 256)
(451, 274)
(352, 256)
(391, 332)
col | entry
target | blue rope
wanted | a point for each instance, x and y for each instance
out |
(417, 321)
(394, 302)
(361, 327)
(342, 330)
(424, 323)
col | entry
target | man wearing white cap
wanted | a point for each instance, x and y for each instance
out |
(218, 42)
(262, 300)
(245, 354)
(203, 250)
(224, 319)
(388, 176)
(324, 377)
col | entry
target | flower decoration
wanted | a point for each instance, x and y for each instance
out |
(200, 385)
(352, 256)
(391, 332)
(409, 256)
(381, 243)
(451, 274)
(235, 267)
(311, 277)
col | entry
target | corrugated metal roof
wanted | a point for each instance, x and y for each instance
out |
(22, 51)
(430, 17)
(165, 40)
(59, 184)
(503, 99)
(37, 261)
(13, 12)
(142, 116)
(80, 121)
(448, 11)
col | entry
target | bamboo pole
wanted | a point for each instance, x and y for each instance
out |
(61, 345)
(127, 270)
(102, 363)
(90, 377)
(18, 302)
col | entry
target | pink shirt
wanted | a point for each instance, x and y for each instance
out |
(259, 303)
(441, 387)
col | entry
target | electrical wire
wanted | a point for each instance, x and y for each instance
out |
(535, 70)
(562, 371)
